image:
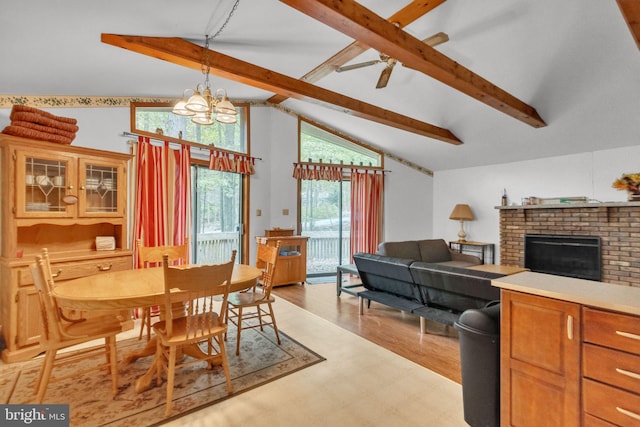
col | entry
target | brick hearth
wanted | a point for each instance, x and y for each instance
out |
(617, 224)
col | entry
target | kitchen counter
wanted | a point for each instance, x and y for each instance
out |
(624, 299)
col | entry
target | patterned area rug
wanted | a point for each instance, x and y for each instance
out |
(261, 360)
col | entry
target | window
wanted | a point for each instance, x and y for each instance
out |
(325, 206)
(320, 145)
(153, 119)
(217, 214)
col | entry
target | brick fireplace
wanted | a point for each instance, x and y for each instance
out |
(617, 224)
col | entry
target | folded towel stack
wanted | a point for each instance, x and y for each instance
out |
(29, 122)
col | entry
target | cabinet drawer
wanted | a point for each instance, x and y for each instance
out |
(611, 404)
(613, 330)
(591, 421)
(73, 270)
(612, 367)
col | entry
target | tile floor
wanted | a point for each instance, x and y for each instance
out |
(360, 384)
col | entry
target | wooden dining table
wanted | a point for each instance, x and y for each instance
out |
(131, 289)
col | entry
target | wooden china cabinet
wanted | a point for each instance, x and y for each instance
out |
(61, 198)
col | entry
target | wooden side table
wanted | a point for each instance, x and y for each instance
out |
(482, 250)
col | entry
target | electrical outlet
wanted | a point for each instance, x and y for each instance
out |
(285, 211)
(258, 212)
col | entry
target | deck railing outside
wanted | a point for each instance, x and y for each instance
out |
(322, 249)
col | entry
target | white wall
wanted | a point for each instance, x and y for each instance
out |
(408, 200)
(587, 174)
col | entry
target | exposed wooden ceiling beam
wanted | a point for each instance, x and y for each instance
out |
(356, 21)
(631, 11)
(402, 18)
(187, 54)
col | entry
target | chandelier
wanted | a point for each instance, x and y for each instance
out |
(203, 105)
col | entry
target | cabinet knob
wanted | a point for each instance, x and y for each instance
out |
(70, 187)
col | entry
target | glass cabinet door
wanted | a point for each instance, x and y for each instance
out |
(42, 182)
(102, 188)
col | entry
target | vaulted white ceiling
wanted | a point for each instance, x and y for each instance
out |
(574, 61)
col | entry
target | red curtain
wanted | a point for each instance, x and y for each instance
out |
(162, 199)
(318, 172)
(366, 210)
(232, 162)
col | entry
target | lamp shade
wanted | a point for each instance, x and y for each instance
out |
(462, 213)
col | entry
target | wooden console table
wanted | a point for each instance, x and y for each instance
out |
(292, 260)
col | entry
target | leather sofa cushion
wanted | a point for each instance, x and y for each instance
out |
(454, 287)
(408, 249)
(433, 250)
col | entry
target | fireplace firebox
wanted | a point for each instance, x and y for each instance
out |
(572, 256)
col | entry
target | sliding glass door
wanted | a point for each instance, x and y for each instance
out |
(325, 215)
(217, 215)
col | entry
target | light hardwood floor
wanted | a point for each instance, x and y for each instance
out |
(390, 328)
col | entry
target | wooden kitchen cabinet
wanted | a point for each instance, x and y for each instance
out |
(570, 352)
(540, 361)
(292, 260)
(611, 368)
(61, 198)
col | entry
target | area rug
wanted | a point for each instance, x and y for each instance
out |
(91, 403)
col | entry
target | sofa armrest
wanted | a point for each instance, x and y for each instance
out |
(466, 258)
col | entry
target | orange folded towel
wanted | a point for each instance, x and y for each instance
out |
(23, 116)
(35, 134)
(27, 109)
(41, 128)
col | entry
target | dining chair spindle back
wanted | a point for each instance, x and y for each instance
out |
(192, 323)
(151, 256)
(243, 307)
(58, 333)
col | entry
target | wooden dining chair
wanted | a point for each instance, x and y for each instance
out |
(57, 334)
(197, 331)
(243, 307)
(151, 256)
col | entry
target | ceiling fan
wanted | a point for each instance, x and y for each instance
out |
(432, 41)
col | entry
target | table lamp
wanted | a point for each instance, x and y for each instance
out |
(462, 213)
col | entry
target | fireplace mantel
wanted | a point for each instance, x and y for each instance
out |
(572, 205)
(616, 223)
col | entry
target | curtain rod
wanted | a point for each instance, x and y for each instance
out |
(342, 165)
(179, 141)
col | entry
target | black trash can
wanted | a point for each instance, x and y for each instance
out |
(479, 336)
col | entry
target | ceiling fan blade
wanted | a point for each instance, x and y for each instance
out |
(436, 39)
(356, 66)
(385, 74)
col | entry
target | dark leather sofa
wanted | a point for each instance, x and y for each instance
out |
(438, 291)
